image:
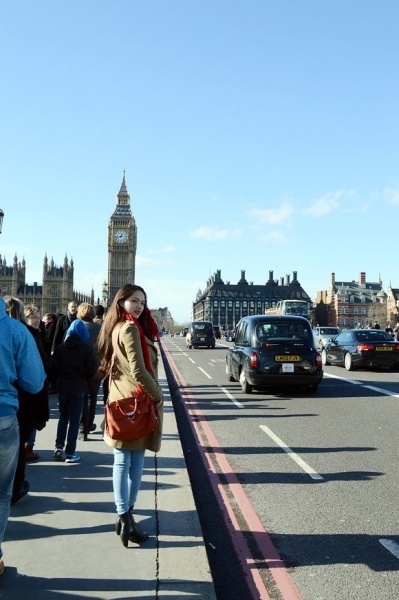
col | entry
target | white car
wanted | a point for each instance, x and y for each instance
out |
(322, 335)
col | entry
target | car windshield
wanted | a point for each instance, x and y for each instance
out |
(371, 335)
(203, 327)
(282, 330)
(329, 331)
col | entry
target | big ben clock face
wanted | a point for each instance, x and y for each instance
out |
(120, 236)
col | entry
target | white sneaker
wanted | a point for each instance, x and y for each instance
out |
(72, 458)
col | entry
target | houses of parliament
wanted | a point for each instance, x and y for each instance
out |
(57, 287)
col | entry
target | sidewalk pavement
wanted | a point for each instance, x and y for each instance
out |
(60, 540)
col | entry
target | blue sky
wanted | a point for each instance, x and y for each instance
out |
(258, 135)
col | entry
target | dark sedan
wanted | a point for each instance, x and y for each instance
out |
(274, 351)
(355, 348)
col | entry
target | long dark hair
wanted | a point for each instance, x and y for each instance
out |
(114, 316)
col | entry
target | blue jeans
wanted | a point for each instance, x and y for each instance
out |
(126, 477)
(9, 449)
(70, 407)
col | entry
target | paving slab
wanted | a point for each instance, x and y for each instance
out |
(60, 540)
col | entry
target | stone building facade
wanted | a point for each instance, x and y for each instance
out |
(52, 295)
(163, 318)
(224, 304)
(361, 303)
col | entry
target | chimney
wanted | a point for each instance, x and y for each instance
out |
(281, 280)
(270, 275)
(362, 279)
(332, 280)
(287, 280)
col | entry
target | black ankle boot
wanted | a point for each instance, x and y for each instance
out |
(123, 528)
(136, 535)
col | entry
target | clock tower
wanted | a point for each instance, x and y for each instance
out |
(122, 243)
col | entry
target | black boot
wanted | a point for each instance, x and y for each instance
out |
(136, 535)
(123, 528)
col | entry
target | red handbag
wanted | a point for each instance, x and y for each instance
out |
(130, 418)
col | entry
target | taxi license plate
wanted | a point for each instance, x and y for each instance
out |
(384, 348)
(286, 358)
(202, 337)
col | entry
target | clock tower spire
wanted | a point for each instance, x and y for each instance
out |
(122, 243)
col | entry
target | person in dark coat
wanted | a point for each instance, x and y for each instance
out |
(33, 410)
(63, 324)
(49, 321)
(77, 364)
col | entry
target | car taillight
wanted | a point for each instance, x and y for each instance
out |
(363, 347)
(318, 360)
(253, 360)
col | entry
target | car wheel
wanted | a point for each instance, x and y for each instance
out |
(228, 374)
(348, 362)
(324, 357)
(312, 389)
(245, 386)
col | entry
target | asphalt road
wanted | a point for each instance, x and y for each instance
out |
(312, 480)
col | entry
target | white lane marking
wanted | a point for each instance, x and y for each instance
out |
(205, 373)
(311, 472)
(391, 546)
(231, 397)
(381, 391)
(368, 387)
(211, 365)
(353, 381)
(189, 358)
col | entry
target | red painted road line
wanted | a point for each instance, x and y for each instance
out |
(271, 557)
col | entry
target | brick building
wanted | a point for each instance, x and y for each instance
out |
(348, 304)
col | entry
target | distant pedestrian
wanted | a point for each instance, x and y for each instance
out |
(63, 324)
(389, 329)
(99, 310)
(376, 325)
(49, 321)
(396, 332)
(87, 313)
(19, 361)
(130, 331)
(76, 365)
(32, 317)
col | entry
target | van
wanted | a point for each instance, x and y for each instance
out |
(200, 333)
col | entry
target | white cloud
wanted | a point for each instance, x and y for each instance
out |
(276, 237)
(272, 216)
(212, 233)
(327, 203)
(393, 195)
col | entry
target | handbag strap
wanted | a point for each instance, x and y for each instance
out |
(115, 339)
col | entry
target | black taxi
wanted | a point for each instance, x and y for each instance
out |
(274, 351)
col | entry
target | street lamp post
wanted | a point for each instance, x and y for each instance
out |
(1, 218)
(105, 294)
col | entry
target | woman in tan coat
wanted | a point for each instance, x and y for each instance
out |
(128, 334)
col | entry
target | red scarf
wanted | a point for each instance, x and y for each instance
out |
(146, 355)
